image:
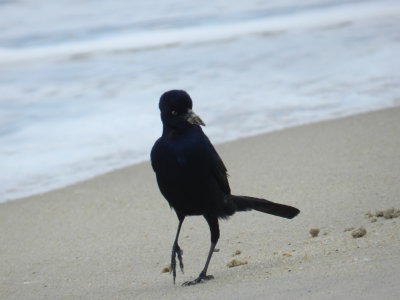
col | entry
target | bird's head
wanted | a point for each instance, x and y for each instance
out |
(176, 110)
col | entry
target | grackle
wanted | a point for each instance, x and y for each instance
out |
(192, 177)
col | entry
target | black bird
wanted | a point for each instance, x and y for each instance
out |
(193, 178)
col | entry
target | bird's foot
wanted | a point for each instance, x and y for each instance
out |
(176, 251)
(202, 278)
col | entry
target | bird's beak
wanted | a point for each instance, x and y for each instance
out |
(192, 118)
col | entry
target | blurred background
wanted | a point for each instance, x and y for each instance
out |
(80, 80)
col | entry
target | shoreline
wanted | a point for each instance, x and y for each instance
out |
(139, 162)
(110, 237)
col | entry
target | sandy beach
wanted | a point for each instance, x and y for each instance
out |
(110, 237)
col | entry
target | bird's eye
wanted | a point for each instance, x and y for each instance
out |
(174, 113)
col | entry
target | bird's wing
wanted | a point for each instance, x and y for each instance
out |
(218, 169)
(155, 153)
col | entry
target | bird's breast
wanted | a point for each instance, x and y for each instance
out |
(184, 176)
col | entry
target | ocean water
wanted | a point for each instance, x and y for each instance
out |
(80, 80)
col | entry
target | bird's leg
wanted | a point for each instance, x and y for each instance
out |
(176, 251)
(203, 274)
(214, 228)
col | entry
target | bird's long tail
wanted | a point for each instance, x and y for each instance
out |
(242, 203)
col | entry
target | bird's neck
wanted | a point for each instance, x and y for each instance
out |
(175, 132)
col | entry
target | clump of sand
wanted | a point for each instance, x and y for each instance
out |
(166, 269)
(360, 232)
(348, 229)
(236, 262)
(389, 213)
(314, 232)
(237, 252)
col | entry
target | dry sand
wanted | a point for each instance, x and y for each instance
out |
(111, 236)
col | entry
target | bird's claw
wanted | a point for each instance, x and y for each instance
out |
(176, 251)
(202, 278)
